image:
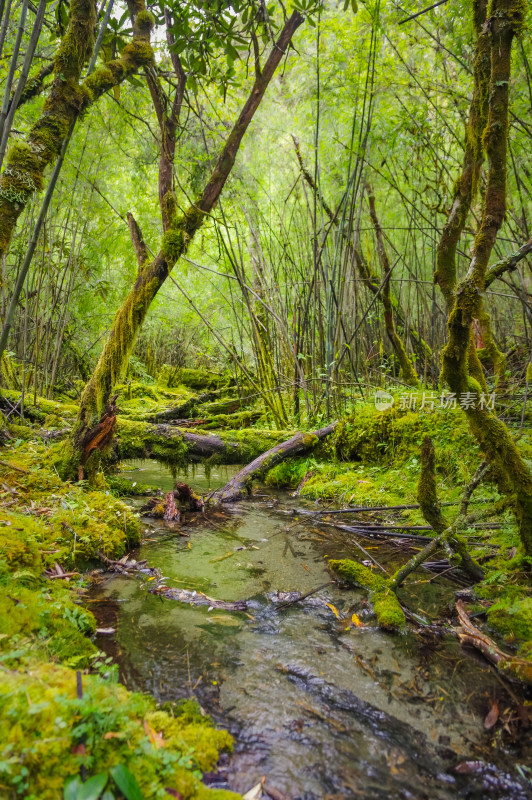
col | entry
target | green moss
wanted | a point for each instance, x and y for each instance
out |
(388, 611)
(288, 474)
(173, 246)
(42, 723)
(358, 574)
(513, 618)
(54, 421)
(169, 208)
(121, 486)
(144, 21)
(385, 603)
(69, 522)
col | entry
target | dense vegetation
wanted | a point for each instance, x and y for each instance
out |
(222, 223)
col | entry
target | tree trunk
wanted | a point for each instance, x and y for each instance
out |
(68, 98)
(238, 486)
(509, 467)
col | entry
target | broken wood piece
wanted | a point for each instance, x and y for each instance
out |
(63, 575)
(275, 794)
(185, 494)
(287, 603)
(171, 511)
(238, 487)
(469, 634)
(198, 598)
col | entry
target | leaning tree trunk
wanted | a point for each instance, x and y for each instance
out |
(179, 231)
(508, 466)
(464, 194)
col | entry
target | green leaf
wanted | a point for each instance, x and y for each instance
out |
(70, 792)
(92, 789)
(126, 782)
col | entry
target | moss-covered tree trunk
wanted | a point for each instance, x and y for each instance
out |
(464, 194)
(179, 231)
(494, 438)
(68, 98)
(466, 186)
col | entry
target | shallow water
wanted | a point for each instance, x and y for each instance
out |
(323, 708)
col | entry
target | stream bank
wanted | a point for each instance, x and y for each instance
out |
(320, 700)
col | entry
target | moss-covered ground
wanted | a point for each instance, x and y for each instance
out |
(47, 732)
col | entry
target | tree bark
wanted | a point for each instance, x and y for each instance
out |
(238, 486)
(509, 467)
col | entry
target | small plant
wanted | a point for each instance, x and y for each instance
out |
(119, 782)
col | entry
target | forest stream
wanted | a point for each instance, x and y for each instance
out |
(320, 701)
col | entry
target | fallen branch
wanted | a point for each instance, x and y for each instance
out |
(469, 634)
(239, 486)
(288, 603)
(197, 598)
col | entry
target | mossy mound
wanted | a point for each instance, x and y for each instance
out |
(47, 733)
(41, 618)
(37, 409)
(202, 379)
(63, 521)
(513, 618)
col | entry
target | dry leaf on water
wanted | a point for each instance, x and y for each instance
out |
(492, 716)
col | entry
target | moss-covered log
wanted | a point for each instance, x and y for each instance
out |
(466, 186)
(239, 486)
(180, 446)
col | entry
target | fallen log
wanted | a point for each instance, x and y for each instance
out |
(239, 486)
(180, 446)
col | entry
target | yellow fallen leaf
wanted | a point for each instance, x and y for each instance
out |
(256, 793)
(155, 738)
(334, 610)
(355, 619)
